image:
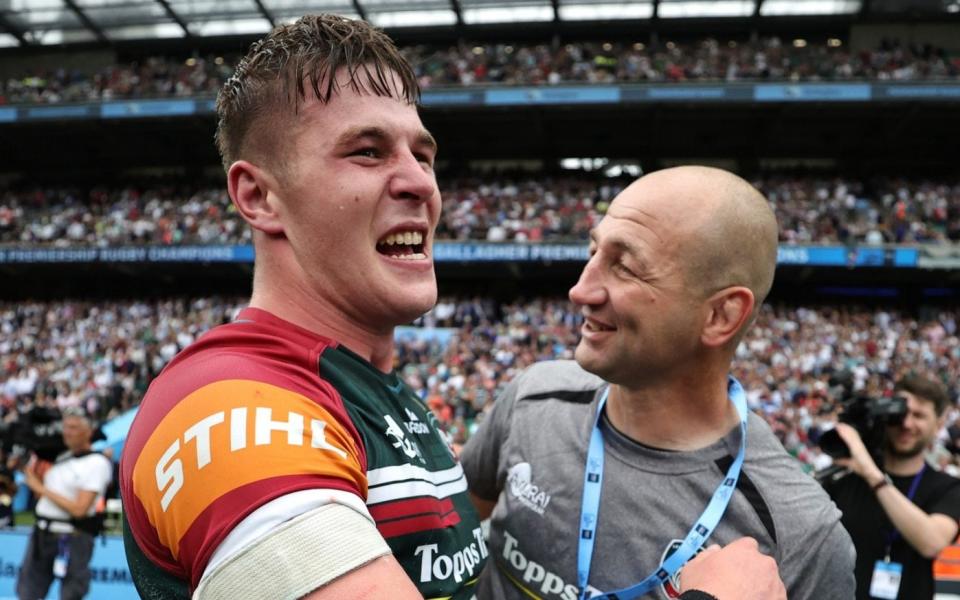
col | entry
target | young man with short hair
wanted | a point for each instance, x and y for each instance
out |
(902, 515)
(280, 456)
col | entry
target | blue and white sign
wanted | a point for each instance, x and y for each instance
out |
(553, 95)
(832, 92)
(475, 96)
(111, 578)
(480, 252)
(843, 256)
(147, 108)
(129, 254)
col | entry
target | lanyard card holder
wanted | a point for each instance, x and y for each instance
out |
(885, 583)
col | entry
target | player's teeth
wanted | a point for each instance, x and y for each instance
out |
(406, 238)
(414, 256)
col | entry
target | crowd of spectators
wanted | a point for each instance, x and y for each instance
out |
(789, 363)
(459, 356)
(793, 360)
(154, 77)
(898, 211)
(127, 216)
(706, 60)
(100, 356)
(520, 64)
(810, 210)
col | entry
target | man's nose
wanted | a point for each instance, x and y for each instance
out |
(412, 180)
(588, 290)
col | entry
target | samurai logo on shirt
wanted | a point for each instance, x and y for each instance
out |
(520, 482)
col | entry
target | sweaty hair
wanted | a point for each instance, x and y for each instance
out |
(926, 389)
(279, 70)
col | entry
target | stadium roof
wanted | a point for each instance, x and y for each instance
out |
(55, 22)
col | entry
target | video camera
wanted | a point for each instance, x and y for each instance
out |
(869, 416)
(38, 431)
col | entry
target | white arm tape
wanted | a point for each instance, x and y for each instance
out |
(300, 556)
(266, 519)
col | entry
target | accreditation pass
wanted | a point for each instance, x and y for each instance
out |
(885, 582)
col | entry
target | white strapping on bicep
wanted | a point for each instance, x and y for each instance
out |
(296, 557)
(301, 555)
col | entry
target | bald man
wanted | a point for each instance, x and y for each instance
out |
(608, 473)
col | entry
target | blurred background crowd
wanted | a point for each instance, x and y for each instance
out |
(102, 356)
(524, 208)
(770, 58)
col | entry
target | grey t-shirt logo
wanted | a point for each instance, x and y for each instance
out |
(521, 486)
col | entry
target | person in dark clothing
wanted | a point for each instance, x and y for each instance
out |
(902, 515)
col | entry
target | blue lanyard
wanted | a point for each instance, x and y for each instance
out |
(892, 536)
(590, 508)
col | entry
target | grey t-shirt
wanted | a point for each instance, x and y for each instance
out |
(530, 453)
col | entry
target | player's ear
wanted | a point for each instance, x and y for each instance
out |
(253, 192)
(728, 312)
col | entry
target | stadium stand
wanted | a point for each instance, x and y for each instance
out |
(809, 210)
(102, 355)
(470, 63)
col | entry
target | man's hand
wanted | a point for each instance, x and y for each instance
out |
(860, 461)
(738, 571)
(33, 480)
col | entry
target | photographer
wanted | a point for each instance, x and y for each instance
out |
(901, 516)
(62, 540)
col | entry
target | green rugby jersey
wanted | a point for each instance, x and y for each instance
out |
(417, 491)
(323, 418)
